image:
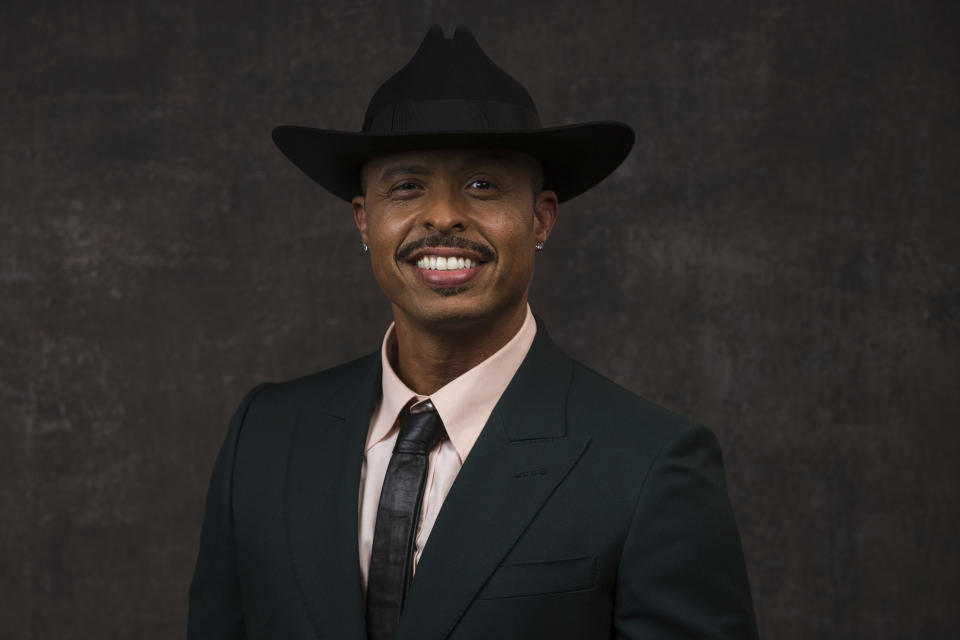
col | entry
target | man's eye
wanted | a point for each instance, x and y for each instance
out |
(481, 184)
(405, 187)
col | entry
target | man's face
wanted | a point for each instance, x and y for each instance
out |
(452, 232)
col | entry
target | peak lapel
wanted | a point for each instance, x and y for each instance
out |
(323, 483)
(520, 457)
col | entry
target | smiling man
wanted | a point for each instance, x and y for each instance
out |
(468, 479)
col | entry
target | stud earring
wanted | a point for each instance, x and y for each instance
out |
(539, 246)
(365, 247)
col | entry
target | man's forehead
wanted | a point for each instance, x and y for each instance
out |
(428, 160)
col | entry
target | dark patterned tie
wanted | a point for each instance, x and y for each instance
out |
(394, 536)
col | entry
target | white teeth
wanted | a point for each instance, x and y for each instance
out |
(443, 263)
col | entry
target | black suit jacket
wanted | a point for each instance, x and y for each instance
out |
(583, 511)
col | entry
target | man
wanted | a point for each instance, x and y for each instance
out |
(468, 480)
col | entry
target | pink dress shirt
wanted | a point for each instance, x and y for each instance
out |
(464, 404)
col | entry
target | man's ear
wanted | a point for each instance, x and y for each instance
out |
(546, 209)
(360, 218)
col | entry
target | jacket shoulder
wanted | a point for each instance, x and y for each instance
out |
(595, 399)
(326, 388)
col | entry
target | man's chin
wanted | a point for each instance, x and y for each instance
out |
(451, 310)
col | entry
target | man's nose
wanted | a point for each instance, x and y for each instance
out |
(444, 215)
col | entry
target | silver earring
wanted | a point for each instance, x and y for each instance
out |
(539, 246)
(365, 247)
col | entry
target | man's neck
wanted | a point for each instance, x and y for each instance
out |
(427, 358)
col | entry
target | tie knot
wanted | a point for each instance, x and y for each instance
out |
(420, 429)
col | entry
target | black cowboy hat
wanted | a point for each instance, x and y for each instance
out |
(451, 95)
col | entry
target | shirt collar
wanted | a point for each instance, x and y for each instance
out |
(464, 403)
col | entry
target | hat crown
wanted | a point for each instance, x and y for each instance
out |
(442, 70)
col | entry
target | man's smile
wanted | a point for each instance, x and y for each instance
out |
(446, 266)
(440, 263)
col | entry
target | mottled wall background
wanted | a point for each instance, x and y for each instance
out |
(778, 259)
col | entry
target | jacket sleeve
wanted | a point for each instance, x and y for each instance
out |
(216, 611)
(682, 572)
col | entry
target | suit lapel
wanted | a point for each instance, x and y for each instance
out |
(323, 481)
(520, 457)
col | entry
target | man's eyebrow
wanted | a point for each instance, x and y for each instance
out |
(404, 169)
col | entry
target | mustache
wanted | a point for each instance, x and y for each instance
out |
(446, 240)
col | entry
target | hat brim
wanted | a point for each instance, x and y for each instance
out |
(574, 157)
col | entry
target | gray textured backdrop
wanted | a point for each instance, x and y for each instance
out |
(778, 259)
